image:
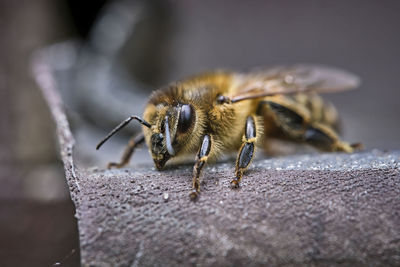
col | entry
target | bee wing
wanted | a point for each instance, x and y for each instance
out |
(302, 78)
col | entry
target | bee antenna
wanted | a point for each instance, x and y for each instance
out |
(168, 142)
(122, 125)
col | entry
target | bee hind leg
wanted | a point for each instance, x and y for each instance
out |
(246, 152)
(133, 143)
(296, 125)
(325, 138)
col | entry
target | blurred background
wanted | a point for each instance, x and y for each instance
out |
(107, 57)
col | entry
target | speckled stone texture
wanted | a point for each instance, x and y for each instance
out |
(318, 210)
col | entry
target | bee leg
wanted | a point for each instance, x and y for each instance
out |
(246, 152)
(325, 138)
(291, 121)
(201, 159)
(133, 143)
(297, 126)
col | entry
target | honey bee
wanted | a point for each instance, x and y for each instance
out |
(218, 112)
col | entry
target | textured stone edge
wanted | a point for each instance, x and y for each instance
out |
(47, 84)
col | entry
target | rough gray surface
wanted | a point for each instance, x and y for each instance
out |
(319, 210)
(277, 217)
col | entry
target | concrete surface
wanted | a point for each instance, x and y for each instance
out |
(318, 210)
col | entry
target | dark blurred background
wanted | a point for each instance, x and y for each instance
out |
(121, 50)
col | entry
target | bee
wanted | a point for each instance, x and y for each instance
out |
(218, 112)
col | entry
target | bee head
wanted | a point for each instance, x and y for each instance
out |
(170, 130)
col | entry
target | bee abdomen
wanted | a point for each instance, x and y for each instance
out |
(321, 111)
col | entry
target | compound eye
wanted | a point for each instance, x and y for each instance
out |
(185, 118)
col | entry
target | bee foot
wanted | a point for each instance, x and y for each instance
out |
(357, 146)
(111, 165)
(235, 183)
(194, 195)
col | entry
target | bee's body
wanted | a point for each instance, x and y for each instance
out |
(225, 121)
(214, 113)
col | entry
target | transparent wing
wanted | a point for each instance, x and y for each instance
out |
(302, 78)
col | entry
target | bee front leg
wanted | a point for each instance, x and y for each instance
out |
(246, 152)
(201, 159)
(133, 143)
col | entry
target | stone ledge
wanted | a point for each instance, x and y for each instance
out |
(301, 210)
